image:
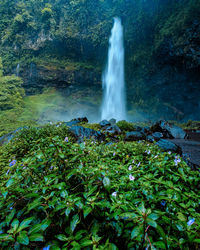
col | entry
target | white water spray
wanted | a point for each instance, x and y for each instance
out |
(114, 105)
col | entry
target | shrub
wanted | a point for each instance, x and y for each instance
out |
(57, 193)
(125, 126)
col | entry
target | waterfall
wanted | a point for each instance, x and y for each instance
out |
(17, 69)
(114, 105)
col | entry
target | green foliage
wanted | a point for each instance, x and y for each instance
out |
(15, 118)
(11, 92)
(91, 195)
(189, 125)
(126, 126)
(94, 126)
(78, 31)
(1, 68)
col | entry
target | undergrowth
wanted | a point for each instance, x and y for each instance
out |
(59, 194)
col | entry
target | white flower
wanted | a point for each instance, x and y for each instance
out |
(114, 194)
(131, 177)
(130, 168)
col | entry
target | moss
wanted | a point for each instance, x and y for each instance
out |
(126, 126)
(53, 63)
(94, 126)
(189, 124)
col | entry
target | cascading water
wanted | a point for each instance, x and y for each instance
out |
(114, 105)
(17, 69)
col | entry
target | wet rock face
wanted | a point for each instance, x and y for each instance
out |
(36, 78)
(168, 146)
(76, 121)
(157, 135)
(168, 130)
(114, 129)
(190, 48)
(80, 133)
(104, 123)
(110, 127)
(134, 136)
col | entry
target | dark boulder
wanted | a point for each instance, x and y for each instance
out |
(169, 130)
(71, 123)
(112, 121)
(104, 123)
(147, 129)
(76, 121)
(150, 138)
(80, 133)
(157, 135)
(169, 146)
(134, 136)
(114, 129)
(138, 128)
(81, 119)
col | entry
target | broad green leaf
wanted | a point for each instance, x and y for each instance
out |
(161, 231)
(6, 237)
(86, 211)
(67, 211)
(34, 204)
(23, 239)
(153, 216)
(15, 224)
(112, 246)
(25, 223)
(79, 234)
(159, 245)
(74, 222)
(35, 229)
(61, 237)
(92, 190)
(4, 194)
(64, 194)
(197, 240)
(141, 208)
(126, 216)
(180, 226)
(10, 182)
(75, 245)
(10, 217)
(151, 222)
(135, 232)
(182, 217)
(45, 223)
(86, 243)
(62, 156)
(36, 237)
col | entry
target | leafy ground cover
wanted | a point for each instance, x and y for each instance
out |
(59, 194)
